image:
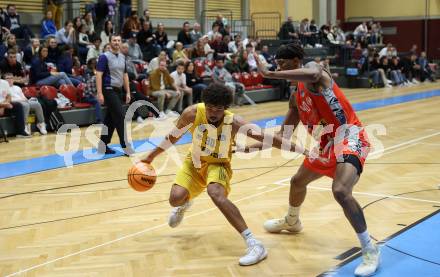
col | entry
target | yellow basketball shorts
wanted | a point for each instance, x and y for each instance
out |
(196, 180)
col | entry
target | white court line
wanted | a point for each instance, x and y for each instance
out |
(199, 213)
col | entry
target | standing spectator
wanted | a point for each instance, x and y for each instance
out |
(106, 33)
(31, 50)
(162, 86)
(87, 20)
(54, 52)
(111, 79)
(94, 51)
(12, 23)
(220, 74)
(16, 109)
(56, 7)
(111, 9)
(161, 36)
(32, 104)
(195, 82)
(40, 74)
(287, 31)
(124, 11)
(48, 27)
(14, 68)
(195, 33)
(65, 64)
(182, 88)
(66, 35)
(131, 25)
(221, 22)
(184, 36)
(90, 92)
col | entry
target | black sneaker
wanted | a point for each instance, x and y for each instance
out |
(108, 150)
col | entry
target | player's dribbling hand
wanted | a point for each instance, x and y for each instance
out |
(149, 159)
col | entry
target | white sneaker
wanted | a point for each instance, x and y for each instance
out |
(370, 262)
(27, 129)
(277, 225)
(389, 81)
(415, 82)
(161, 116)
(254, 254)
(172, 113)
(139, 120)
(388, 86)
(42, 128)
(177, 214)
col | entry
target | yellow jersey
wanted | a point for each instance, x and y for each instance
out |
(211, 144)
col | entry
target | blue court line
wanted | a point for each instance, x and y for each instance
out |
(413, 252)
(22, 167)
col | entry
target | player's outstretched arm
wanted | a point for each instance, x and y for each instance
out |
(183, 124)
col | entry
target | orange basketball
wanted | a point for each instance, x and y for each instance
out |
(142, 176)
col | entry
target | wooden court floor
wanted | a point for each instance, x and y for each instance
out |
(88, 222)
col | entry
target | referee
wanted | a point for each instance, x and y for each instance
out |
(111, 80)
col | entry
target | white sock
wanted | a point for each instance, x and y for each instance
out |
(365, 239)
(293, 214)
(247, 235)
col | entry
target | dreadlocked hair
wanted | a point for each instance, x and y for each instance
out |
(290, 51)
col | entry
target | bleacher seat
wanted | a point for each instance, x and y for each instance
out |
(73, 95)
(49, 92)
(30, 91)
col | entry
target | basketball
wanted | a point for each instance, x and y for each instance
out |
(142, 176)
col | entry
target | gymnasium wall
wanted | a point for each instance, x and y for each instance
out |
(405, 17)
(300, 9)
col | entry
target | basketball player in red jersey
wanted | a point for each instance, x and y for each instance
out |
(343, 146)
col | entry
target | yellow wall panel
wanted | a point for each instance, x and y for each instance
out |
(300, 9)
(434, 7)
(232, 5)
(180, 9)
(267, 6)
(388, 8)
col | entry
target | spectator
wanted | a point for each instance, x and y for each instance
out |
(31, 50)
(124, 11)
(339, 33)
(65, 65)
(221, 22)
(393, 71)
(154, 63)
(40, 74)
(413, 49)
(235, 46)
(195, 33)
(66, 35)
(215, 30)
(106, 33)
(48, 27)
(162, 86)
(396, 67)
(32, 104)
(220, 74)
(199, 50)
(226, 31)
(425, 70)
(54, 52)
(111, 9)
(181, 87)
(287, 31)
(374, 34)
(219, 46)
(16, 109)
(145, 17)
(304, 32)
(180, 54)
(56, 8)
(14, 68)
(184, 36)
(232, 66)
(361, 31)
(90, 91)
(365, 70)
(83, 43)
(12, 23)
(195, 82)
(410, 68)
(94, 51)
(209, 52)
(243, 60)
(10, 43)
(87, 20)
(146, 41)
(131, 25)
(377, 65)
(134, 50)
(161, 36)
(251, 59)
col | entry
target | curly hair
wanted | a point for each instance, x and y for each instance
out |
(290, 51)
(217, 94)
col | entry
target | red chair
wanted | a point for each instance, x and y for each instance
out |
(81, 88)
(246, 80)
(199, 67)
(49, 92)
(257, 78)
(30, 92)
(72, 93)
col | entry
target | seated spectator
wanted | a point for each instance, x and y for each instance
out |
(145, 16)
(31, 50)
(94, 51)
(195, 82)
(131, 25)
(226, 31)
(162, 86)
(413, 49)
(425, 70)
(365, 70)
(338, 32)
(235, 46)
(375, 34)
(10, 43)
(14, 68)
(7, 108)
(304, 33)
(161, 36)
(250, 58)
(65, 65)
(221, 22)
(28, 105)
(209, 52)
(87, 20)
(48, 27)
(154, 63)
(376, 65)
(54, 52)
(40, 74)
(66, 35)
(146, 40)
(196, 34)
(182, 88)
(219, 46)
(268, 57)
(199, 50)
(220, 74)
(90, 90)
(180, 54)
(361, 31)
(388, 51)
(232, 66)
(12, 23)
(83, 43)
(287, 31)
(134, 50)
(411, 69)
(214, 31)
(105, 34)
(243, 60)
(394, 71)
(184, 36)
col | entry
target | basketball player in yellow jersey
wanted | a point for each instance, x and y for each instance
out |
(208, 166)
